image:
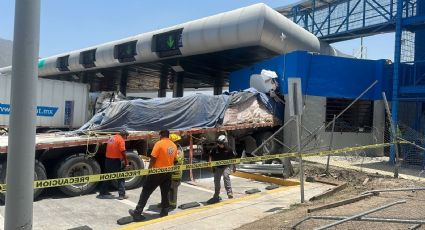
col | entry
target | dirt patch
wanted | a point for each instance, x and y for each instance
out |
(414, 208)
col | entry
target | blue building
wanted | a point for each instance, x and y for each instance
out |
(329, 84)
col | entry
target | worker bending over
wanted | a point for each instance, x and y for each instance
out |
(115, 157)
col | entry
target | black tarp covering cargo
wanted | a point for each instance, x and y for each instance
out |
(195, 111)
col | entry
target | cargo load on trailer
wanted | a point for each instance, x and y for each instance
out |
(198, 118)
(249, 117)
(195, 111)
(60, 104)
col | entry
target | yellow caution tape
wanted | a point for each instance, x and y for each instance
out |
(143, 172)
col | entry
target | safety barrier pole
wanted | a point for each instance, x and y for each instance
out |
(191, 155)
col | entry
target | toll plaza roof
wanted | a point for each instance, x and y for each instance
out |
(203, 50)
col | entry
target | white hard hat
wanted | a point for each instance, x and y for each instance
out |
(222, 139)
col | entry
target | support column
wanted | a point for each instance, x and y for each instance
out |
(94, 84)
(420, 57)
(218, 83)
(20, 157)
(397, 59)
(178, 86)
(420, 35)
(123, 81)
(163, 82)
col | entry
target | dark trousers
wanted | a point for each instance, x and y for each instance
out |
(112, 166)
(172, 196)
(152, 182)
(218, 173)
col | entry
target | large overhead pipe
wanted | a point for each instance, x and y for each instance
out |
(252, 26)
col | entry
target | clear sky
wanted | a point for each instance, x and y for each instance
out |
(74, 24)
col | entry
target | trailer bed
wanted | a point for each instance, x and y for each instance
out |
(55, 140)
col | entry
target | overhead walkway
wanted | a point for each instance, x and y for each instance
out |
(340, 20)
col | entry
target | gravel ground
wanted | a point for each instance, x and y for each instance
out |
(414, 208)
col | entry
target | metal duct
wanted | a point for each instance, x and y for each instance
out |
(255, 25)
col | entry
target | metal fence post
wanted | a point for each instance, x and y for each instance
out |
(331, 143)
(397, 59)
(393, 136)
(298, 121)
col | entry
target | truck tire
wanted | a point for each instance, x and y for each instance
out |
(3, 179)
(39, 174)
(271, 147)
(135, 163)
(77, 165)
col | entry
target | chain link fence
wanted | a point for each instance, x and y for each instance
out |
(363, 125)
(366, 164)
(370, 159)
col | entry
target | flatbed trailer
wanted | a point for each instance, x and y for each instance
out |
(61, 155)
(54, 140)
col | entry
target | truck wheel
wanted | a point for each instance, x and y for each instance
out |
(135, 163)
(3, 165)
(39, 174)
(77, 166)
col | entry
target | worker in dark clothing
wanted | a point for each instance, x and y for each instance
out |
(176, 177)
(163, 155)
(115, 155)
(222, 152)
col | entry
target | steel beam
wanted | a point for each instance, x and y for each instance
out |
(372, 219)
(163, 83)
(397, 59)
(349, 218)
(123, 81)
(395, 190)
(347, 16)
(178, 86)
(218, 83)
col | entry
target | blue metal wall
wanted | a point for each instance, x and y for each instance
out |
(420, 34)
(322, 75)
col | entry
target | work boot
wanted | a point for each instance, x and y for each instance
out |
(171, 206)
(105, 196)
(164, 212)
(214, 200)
(137, 216)
(122, 197)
